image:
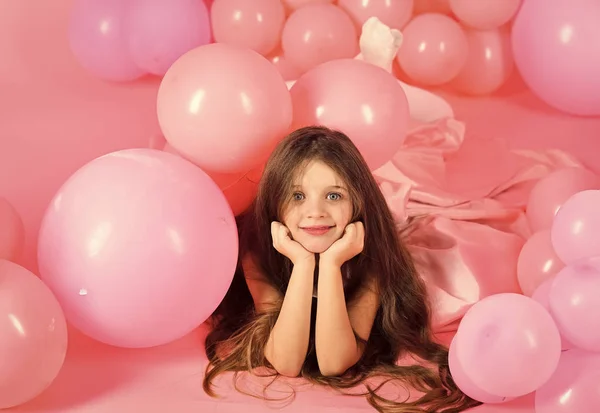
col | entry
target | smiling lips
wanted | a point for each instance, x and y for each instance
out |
(317, 230)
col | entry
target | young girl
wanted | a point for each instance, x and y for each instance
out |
(325, 289)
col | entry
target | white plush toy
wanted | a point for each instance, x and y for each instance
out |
(379, 45)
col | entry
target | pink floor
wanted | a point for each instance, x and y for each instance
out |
(54, 118)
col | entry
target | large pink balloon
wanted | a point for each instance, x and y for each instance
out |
(500, 335)
(318, 33)
(484, 14)
(542, 296)
(139, 247)
(255, 24)
(574, 387)
(33, 335)
(489, 63)
(360, 99)
(12, 232)
(551, 192)
(224, 107)
(556, 50)
(537, 262)
(576, 228)
(159, 31)
(394, 14)
(464, 383)
(575, 303)
(98, 39)
(434, 49)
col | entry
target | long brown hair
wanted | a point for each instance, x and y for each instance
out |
(402, 324)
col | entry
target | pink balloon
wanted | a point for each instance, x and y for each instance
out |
(286, 68)
(239, 189)
(489, 62)
(98, 39)
(485, 14)
(556, 50)
(500, 335)
(293, 5)
(574, 387)
(576, 228)
(159, 31)
(537, 262)
(551, 192)
(464, 383)
(12, 232)
(255, 24)
(432, 6)
(241, 193)
(224, 107)
(394, 14)
(575, 303)
(373, 112)
(434, 49)
(139, 247)
(33, 335)
(542, 296)
(318, 33)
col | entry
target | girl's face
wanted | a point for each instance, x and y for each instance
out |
(319, 209)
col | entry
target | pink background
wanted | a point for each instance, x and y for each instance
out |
(55, 117)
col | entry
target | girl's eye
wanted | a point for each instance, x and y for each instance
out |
(297, 196)
(334, 196)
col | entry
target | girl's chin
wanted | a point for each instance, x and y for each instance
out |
(316, 247)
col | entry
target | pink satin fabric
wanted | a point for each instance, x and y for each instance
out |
(465, 199)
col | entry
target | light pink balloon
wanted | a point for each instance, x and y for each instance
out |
(489, 63)
(575, 303)
(552, 191)
(556, 50)
(293, 5)
(33, 335)
(139, 247)
(500, 335)
(159, 31)
(537, 262)
(12, 232)
(318, 33)
(465, 384)
(98, 39)
(224, 107)
(542, 296)
(286, 68)
(373, 112)
(576, 229)
(434, 49)
(394, 14)
(255, 24)
(574, 387)
(484, 14)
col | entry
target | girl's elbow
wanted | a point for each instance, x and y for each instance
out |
(285, 367)
(337, 366)
(334, 369)
(289, 372)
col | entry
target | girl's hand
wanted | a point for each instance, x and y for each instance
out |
(285, 245)
(350, 245)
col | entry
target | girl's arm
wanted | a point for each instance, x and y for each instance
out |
(288, 341)
(336, 345)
